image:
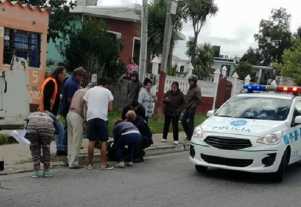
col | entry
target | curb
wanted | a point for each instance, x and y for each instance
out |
(151, 151)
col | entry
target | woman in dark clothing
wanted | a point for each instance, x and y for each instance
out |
(174, 100)
(147, 138)
(126, 134)
(134, 106)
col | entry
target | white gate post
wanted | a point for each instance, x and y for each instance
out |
(235, 78)
(247, 79)
(155, 65)
(217, 74)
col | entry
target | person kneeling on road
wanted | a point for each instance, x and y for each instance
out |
(126, 134)
(40, 132)
(147, 138)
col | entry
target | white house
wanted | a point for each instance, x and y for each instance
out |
(183, 66)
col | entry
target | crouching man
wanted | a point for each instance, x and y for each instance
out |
(40, 132)
(126, 134)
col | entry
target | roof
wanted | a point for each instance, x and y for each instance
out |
(269, 95)
(262, 67)
(118, 13)
(24, 6)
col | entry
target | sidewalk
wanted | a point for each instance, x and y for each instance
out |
(17, 157)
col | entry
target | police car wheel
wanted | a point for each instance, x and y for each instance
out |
(278, 176)
(201, 169)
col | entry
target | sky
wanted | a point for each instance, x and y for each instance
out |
(235, 24)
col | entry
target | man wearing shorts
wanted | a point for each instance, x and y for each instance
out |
(99, 102)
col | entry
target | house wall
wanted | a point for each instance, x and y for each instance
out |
(27, 19)
(128, 31)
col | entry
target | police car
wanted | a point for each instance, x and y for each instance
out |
(257, 132)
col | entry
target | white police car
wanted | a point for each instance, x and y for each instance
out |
(252, 132)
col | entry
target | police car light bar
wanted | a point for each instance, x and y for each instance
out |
(254, 88)
(250, 88)
(289, 89)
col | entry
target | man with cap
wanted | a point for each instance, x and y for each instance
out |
(192, 101)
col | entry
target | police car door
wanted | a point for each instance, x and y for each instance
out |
(294, 135)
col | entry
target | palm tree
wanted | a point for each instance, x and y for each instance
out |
(198, 11)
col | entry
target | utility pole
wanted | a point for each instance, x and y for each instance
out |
(171, 10)
(143, 41)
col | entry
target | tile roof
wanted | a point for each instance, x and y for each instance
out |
(119, 13)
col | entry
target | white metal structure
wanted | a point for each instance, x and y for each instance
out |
(14, 94)
(256, 132)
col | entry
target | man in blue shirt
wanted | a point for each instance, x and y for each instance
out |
(71, 85)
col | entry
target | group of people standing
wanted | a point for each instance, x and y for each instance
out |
(177, 106)
(69, 104)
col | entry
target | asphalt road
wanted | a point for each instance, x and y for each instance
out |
(166, 181)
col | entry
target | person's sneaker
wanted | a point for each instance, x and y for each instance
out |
(47, 174)
(137, 160)
(120, 165)
(36, 174)
(75, 167)
(90, 167)
(129, 164)
(176, 142)
(163, 140)
(108, 167)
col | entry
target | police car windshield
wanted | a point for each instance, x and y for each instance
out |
(256, 108)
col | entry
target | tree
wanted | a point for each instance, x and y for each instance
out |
(298, 34)
(204, 59)
(252, 56)
(97, 53)
(198, 11)
(245, 68)
(157, 12)
(291, 66)
(60, 17)
(274, 36)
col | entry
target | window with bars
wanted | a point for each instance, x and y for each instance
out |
(22, 44)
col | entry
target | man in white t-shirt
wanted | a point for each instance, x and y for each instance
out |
(99, 102)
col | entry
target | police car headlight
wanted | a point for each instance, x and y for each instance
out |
(198, 133)
(271, 139)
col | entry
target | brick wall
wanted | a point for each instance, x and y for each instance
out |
(128, 31)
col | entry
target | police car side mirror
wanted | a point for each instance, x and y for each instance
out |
(210, 113)
(297, 120)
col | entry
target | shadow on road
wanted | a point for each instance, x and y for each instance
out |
(292, 176)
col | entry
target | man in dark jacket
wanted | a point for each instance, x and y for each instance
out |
(192, 101)
(174, 100)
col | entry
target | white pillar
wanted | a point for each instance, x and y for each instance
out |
(235, 85)
(155, 65)
(247, 79)
(259, 76)
(217, 74)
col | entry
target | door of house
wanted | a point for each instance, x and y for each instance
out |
(3, 90)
